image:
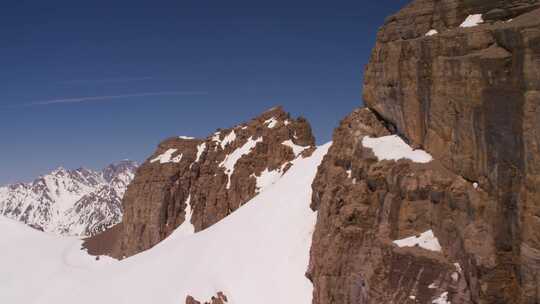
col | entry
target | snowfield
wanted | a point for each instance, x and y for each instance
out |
(258, 254)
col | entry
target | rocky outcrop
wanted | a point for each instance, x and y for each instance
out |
(220, 298)
(198, 182)
(366, 205)
(467, 93)
(77, 202)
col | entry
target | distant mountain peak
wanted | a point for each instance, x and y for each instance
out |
(79, 202)
(58, 170)
(115, 169)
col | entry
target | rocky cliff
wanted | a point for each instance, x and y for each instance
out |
(460, 80)
(190, 184)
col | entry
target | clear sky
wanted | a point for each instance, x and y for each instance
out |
(86, 83)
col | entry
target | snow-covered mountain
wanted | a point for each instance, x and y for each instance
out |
(258, 254)
(77, 202)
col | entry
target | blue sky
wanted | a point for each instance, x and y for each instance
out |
(86, 84)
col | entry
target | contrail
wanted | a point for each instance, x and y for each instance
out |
(106, 80)
(108, 97)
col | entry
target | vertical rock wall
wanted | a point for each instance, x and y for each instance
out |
(469, 96)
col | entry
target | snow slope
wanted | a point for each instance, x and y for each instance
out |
(258, 254)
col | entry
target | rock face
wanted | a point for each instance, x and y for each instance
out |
(467, 93)
(197, 182)
(78, 202)
(365, 204)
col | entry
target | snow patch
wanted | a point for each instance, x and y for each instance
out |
(186, 228)
(200, 150)
(392, 147)
(229, 138)
(472, 21)
(432, 32)
(426, 240)
(230, 160)
(349, 175)
(297, 149)
(458, 267)
(177, 159)
(442, 299)
(271, 122)
(186, 137)
(166, 157)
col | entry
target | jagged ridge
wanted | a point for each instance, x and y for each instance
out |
(204, 180)
(77, 202)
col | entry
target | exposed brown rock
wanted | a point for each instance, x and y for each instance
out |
(462, 94)
(365, 204)
(469, 96)
(155, 203)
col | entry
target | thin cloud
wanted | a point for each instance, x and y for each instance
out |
(109, 97)
(106, 80)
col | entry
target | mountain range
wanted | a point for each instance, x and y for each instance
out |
(79, 202)
(428, 193)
